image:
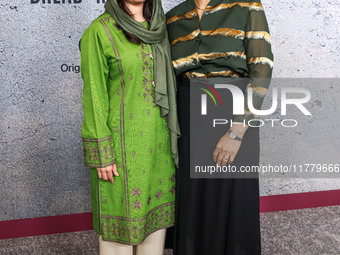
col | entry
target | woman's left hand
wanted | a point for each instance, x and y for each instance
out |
(227, 148)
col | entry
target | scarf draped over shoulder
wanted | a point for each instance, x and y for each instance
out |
(165, 79)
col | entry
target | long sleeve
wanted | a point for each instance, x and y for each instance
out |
(260, 59)
(96, 135)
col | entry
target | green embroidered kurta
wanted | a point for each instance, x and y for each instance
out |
(232, 39)
(122, 125)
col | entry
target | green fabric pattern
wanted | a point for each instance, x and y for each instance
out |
(98, 152)
(165, 80)
(231, 40)
(123, 121)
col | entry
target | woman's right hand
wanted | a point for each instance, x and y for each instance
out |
(105, 173)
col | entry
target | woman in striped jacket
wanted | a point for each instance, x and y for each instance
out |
(220, 39)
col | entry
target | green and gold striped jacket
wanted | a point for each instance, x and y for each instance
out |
(232, 39)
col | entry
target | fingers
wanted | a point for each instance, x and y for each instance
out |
(215, 154)
(106, 173)
(109, 173)
(226, 151)
(225, 159)
(231, 159)
(115, 170)
(99, 173)
(220, 158)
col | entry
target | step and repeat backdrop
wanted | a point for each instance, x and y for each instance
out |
(42, 171)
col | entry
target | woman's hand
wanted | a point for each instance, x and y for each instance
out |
(106, 173)
(227, 148)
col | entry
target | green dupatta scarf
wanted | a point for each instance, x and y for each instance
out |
(165, 80)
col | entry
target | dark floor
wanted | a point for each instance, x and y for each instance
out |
(297, 232)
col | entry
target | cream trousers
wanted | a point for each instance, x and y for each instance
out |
(152, 245)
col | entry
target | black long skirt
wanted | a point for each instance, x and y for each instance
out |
(215, 216)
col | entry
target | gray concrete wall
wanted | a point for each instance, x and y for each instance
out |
(305, 39)
(42, 172)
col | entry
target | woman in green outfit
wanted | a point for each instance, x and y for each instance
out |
(130, 126)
